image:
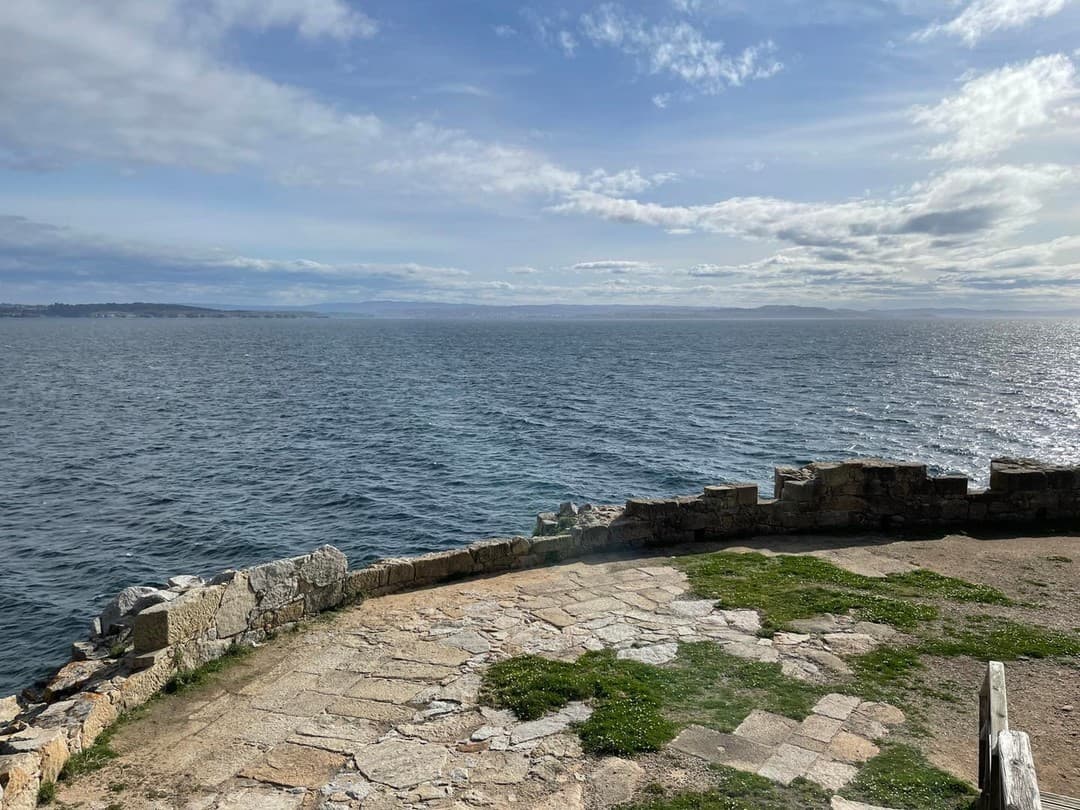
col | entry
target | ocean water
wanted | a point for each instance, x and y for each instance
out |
(131, 451)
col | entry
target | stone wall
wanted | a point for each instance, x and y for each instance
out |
(147, 635)
(857, 495)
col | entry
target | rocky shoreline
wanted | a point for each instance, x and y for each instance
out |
(146, 635)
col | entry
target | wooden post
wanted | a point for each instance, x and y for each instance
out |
(1019, 786)
(993, 719)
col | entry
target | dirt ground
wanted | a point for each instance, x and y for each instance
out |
(1041, 573)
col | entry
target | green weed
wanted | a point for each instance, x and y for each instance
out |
(900, 777)
(190, 678)
(626, 695)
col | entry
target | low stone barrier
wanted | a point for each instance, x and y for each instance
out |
(145, 636)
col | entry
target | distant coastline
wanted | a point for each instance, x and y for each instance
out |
(140, 310)
(406, 310)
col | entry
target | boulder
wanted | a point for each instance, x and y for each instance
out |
(127, 603)
(71, 677)
(9, 709)
(185, 582)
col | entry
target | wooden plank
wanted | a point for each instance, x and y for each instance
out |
(1019, 786)
(993, 719)
(1052, 801)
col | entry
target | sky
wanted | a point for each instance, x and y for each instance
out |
(868, 153)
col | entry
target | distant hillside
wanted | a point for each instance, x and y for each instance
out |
(137, 310)
(412, 309)
(409, 309)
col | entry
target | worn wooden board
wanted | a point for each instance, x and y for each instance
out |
(1052, 801)
(1019, 786)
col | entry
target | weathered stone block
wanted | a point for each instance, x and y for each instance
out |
(48, 744)
(836, 474)
(1017, 475)
(492, 555)
(949, 486)
(630, 531)
(721, 497)
(185, 617)
(94, 713)
(323, 568)
(274, 583)
(365, 581)
(746, 494)
(19, 781)
(286, 614)
(399, 571)
(442, 565)
(71, 677)
(555, 548)
(799, 491)
(234, 614)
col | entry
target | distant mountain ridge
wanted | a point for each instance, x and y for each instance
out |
(138, 310)
(420, 309)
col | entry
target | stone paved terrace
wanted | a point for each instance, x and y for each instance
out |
(376, 706)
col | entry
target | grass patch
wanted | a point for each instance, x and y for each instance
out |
(987, 638)
(94, 758)
(736, 790)
(789, 587)
(46, 793)
(900, 777)
(638, 707)
(190, 678)
(708, 686)
(921, 582)
(626, 695)
(882, 674)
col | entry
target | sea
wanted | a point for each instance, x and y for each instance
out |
(134, 450)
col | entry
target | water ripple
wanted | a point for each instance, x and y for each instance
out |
(134, 450)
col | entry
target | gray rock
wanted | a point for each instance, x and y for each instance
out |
(721, 749)
(224, 577)
(655, 654)
(568, 509)
(185, 582)
(129, 602)
(9, 709)
(552, 724)
(402, 763)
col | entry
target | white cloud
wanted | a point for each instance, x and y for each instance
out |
(983, 17)
(961, 204)
(628, 181)
(678, 49)
(661, 100)
(957, 226)
(614, 267)
(141, 83)
(504, 31)
(993, 111)
(311, 18)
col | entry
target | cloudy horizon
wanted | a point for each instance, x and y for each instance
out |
(896, 153)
